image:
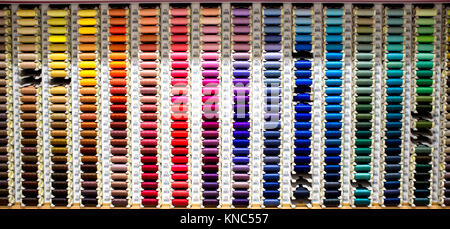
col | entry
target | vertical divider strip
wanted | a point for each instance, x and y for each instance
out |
(104, 105)
(135, 106)
(287, 114)
(15, 85)
(165, 107)
(10, 127)
(437, 107)
(45, 103)
(196, 110)
(443, 198)
(226, 105)
(256, 108)
(76, 185)
(407, 105)
(378, 42)
(317, 107)
(348, 112)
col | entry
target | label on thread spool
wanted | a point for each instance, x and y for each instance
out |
(226, 104)
(256, 108)
(164, 100)
(437, 141)
(16, 104)
(348, 112)
(407, 105)
(45, 104)
(317, 106)
(104, 105)
(196, 103)
(135, 105)
(376, 180)
(76, 176)
(286, 112)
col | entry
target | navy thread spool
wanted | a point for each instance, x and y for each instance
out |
(272, 49)
(333, 99)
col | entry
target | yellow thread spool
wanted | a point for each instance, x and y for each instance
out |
(58, 56)
(87, 21)
(58, 73)
(58, 47)
(88, 73)
(26, 13)
(57, 30)
(87, 13)
(58, 65)
(57, 13)
(88, 82)
(57, 39)
(87, 30)
(57, 21)
(87, 64)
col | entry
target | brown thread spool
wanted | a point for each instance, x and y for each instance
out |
(58, 108)
(29, 90)
(89, 125)
(58, 142)
(58, 125)
(58, 133)
(28, 107)
(28, 99)
(87, 39)
(27, 30)
(59, 159)
(88, 99)
(58, 99)
(88, 133)
(60, 167)
(28, 47)
(28, 57)
(59, 150)
(58, 116)
(88, 56)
